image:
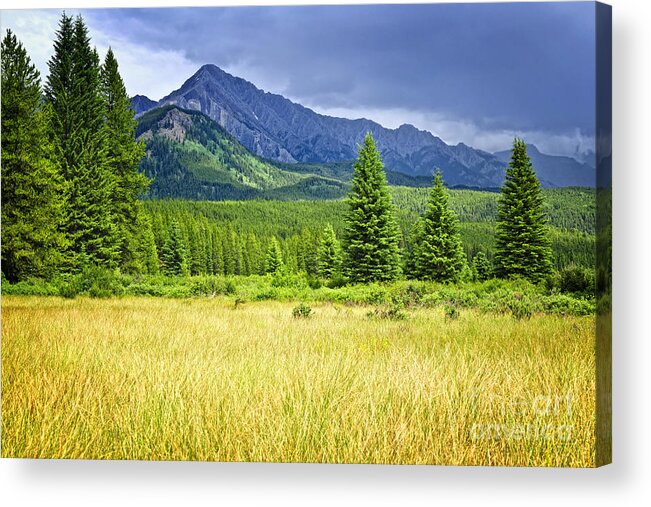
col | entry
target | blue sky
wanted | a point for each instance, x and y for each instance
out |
(473, 73)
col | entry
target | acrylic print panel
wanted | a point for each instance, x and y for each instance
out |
(338, 234)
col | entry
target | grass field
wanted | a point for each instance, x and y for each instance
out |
(205, 379)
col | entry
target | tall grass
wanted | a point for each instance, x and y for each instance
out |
(205, 379)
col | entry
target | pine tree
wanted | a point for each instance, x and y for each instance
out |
(329, 253)
(522, 246)
(123, 156)
(481, 267)
(144, 245)
(73, 93)
(370, 239)
(274, 259)
(174, 254)
(32, 207)
(438, 252)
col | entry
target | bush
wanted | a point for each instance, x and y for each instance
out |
(393, 311)
(521, 307)
(314, 283)
(211, 286)
(408, 295)
(301, 311)
(96, 282)
(32, 287)
(567, 305)
(451, 312)
(336, 282)
(284, 278)
(573, 280)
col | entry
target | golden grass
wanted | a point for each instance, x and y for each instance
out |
(139, 378)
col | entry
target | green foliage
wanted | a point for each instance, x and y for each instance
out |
(73, 93)
(451, 312)
(371, 234)
(32, 211)
(93, 281)
(392, 311)
(301, 311)
(123, 154)
(521, 306)
(174, 255)
(522, 245)
(274, 258)
(574, 279)
(329, 254)
(481, 267)
(438, 254)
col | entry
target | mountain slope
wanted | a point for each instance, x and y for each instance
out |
(189, 155)
(556, 171)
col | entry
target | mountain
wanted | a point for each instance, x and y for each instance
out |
(141, 104)
(188, 155)
(556, 171)
(276, 128)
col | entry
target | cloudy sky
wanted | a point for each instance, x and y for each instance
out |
(473, 73)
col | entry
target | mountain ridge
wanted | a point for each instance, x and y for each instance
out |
(275, 128)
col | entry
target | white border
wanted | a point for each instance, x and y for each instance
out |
(625, 482)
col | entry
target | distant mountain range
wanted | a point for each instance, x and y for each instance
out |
(274, 128)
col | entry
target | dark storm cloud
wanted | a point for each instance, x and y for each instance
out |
(516, 66)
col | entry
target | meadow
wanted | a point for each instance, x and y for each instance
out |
(224, 379)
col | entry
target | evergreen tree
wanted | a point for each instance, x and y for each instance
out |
(174, 255)
(481, 267)
(123, 156)
(329, 253)
(32, 207)
(144, 245)
(371, 234)
(438, 254)
(73, 93)
(274, 259)
(522, 246)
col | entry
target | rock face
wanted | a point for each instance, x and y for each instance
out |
(278, 129)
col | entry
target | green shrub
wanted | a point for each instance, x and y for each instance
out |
(284, 278)
(567, 305)
(573, 280)
(393, 311)
(212, 286)
(336, 281)
(31, 287)
(451, 312)
(301, 311)
(521, 307)
(314, 282)
(94, 281)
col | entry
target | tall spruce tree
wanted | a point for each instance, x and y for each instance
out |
(32, 188)
(74, 94)
(371, 236)
(438, 254)
(522, 245)
(329, 254)
(123, 156)
(174, 254)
